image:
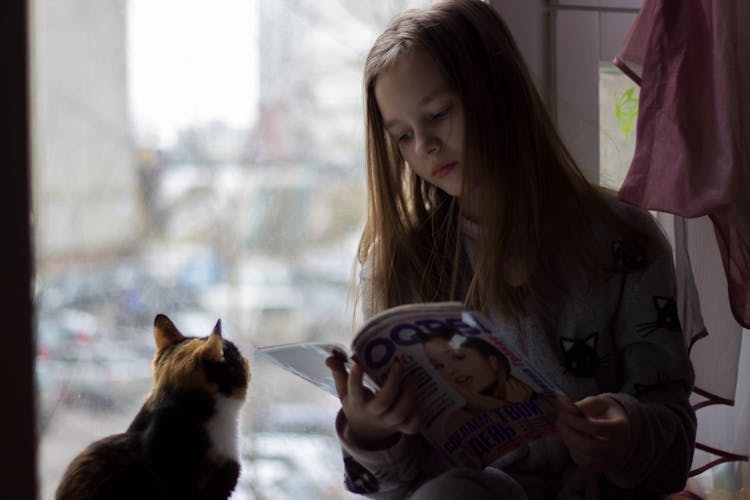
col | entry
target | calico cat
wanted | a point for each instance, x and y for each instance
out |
(184, 442)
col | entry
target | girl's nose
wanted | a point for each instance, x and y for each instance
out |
(428, 144)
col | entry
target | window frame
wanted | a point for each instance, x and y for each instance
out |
(18, 453)
(18, 456)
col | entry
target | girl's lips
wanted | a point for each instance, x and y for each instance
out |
(441, 171)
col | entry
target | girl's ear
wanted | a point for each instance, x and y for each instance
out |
(213, 349)
(165, 333)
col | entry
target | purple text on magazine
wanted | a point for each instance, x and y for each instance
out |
(379, 351)
(503, 427)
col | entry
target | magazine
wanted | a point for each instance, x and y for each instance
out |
(479, 399)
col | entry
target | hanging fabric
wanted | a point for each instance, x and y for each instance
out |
(692, 159)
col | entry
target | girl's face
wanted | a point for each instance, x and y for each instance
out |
(465, 368)
(425, 116)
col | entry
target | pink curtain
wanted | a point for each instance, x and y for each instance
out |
(692, 159)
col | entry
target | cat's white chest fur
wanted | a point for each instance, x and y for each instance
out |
(224, 427)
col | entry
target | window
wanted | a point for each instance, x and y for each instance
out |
(618, 114)
(594, 104)
(202, 160)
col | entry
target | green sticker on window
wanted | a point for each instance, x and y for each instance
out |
(626, 111)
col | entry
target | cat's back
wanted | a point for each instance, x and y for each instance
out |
(110, 468)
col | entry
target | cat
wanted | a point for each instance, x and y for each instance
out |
(184, 442)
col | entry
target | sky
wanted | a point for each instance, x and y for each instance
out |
(191, 61)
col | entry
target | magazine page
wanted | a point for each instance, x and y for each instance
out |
(307, 360)
(478, 398)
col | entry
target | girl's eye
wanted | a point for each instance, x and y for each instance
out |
(441, 114)
(404, 138)
(437, 366)
(459, 357)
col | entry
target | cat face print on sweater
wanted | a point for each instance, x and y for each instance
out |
(581, 356)
(627, 257)
(665, 309)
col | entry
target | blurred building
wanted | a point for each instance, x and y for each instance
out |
(312, 56)
(87, 195)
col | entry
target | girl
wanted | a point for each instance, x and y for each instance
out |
(472, 196)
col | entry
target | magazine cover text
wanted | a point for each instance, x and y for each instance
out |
(478, 398)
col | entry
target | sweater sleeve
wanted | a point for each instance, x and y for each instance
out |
(389, 473)
(658, 378)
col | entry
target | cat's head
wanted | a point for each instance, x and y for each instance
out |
(210, 364)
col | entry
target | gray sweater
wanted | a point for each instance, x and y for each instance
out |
(621, 338)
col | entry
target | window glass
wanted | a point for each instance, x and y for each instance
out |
(618, 115)
(203, 160)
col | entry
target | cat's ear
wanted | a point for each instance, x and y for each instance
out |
(662, 302)
(566, 343)
(213, 350)
(165, 333)
(592, 340)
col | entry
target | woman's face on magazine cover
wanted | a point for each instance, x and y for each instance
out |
(464, 367)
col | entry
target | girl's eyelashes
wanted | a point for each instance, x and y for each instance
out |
(404, 137)
(441, 114)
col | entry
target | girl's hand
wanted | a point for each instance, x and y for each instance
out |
(375, 420)
(597, 432)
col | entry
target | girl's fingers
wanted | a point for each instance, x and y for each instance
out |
(608, 420)
(585, 443)
(579, 423)
(594, 453)
(403, 407)
(340, 376)
(356, 391)
(598, 437)
(388, 393)
(394, 405)
(412, 425)
(607, 416)
(564, 405)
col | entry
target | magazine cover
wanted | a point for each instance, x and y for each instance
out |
(479, 399)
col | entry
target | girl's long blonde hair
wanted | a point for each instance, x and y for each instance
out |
(531, 199)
